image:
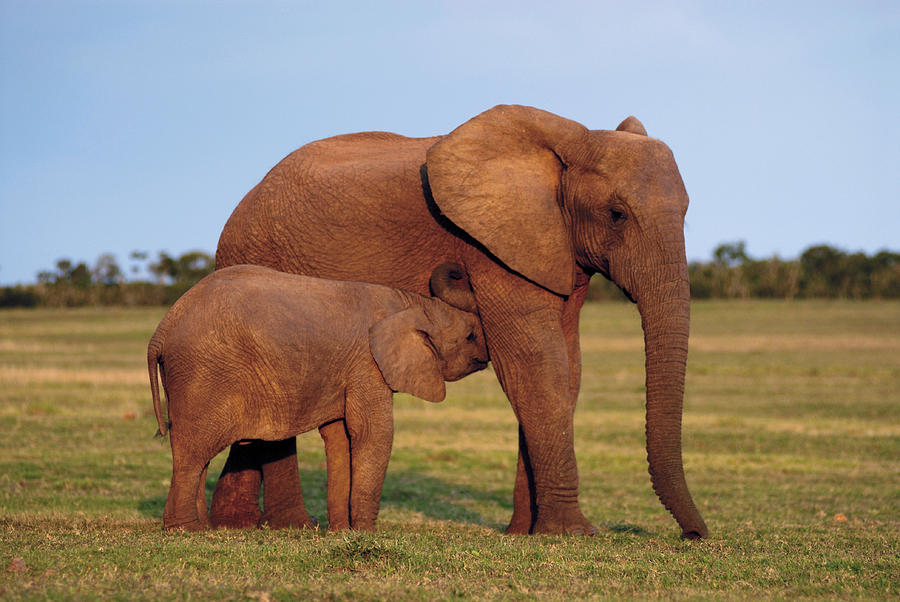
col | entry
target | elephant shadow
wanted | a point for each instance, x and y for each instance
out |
(407, 490)
(414, 491)
(625, 529)
(152, 506)
(439, 499)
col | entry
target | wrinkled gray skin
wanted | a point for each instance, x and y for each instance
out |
(530, 205)
(252, 353)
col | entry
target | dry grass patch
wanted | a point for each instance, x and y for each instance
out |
(752, 343)
(32, 375)
(794, 343)
(820, 427)
(32, 347)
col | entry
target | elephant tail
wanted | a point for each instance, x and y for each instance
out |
(154, 362)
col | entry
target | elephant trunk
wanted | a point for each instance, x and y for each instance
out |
(664, 306)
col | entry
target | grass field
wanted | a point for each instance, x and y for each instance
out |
(791, 446)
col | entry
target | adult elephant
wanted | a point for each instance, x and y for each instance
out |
(531, 205)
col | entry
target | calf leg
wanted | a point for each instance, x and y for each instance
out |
(182, 505)
(370, 425)
(202, 510)
(337, 458)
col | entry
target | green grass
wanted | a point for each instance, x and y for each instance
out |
(791, 446)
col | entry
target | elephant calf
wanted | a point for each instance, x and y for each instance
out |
(252, 353)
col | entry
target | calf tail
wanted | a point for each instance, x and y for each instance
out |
(154, 359)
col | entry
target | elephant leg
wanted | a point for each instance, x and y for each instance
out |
(235, 501)
(282, 494)
(525, 333)
(524, 501)
(570, 318)
(337, 458)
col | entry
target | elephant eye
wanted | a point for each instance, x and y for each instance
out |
(617, 216)
(471, 337)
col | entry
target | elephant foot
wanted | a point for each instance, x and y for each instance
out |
(519, 524)
(296, 518)
(192, 526)
(338, 525)
(204, 520)
(570, 522)
(230, 518)
(363, 525)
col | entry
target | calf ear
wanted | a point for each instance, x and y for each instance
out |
(405, 355)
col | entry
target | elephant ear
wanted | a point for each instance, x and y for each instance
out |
(402, 348)
(632, 124)
(498, 177)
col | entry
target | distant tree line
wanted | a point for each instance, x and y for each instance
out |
(73, 284)
(820, 272)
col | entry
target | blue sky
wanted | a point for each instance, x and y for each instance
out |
(139, 125)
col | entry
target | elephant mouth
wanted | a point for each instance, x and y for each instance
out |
(604, 270)
(476, 365)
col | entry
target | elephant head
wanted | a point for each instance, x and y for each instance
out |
(419, 348)
(546, 196)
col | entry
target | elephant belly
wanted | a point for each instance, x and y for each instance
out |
(285, 417)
